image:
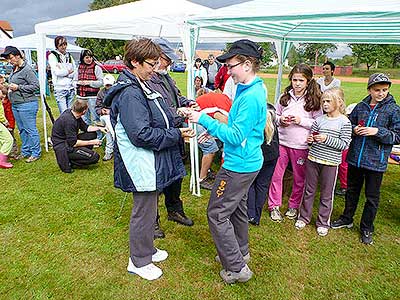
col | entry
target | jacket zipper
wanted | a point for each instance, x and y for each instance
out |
(364, 138)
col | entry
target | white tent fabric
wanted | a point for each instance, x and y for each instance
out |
(284, 22)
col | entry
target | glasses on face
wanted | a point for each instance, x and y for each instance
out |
(230, 67)
(153, 65)
(166, 59)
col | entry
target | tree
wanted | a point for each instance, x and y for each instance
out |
(368, 53)
(314, 53)
(102, 48)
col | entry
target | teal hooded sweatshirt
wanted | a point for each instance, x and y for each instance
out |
(244, 133)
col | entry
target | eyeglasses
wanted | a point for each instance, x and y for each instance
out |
(153, 65)
(166, 59)
(230, 67)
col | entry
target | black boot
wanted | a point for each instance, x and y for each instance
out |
(180, 218)
(158, 233)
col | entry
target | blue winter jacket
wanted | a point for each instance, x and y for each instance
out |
(244, 133)
(371, 152)
(146, 151)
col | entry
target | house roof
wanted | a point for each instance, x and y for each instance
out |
(5, 26)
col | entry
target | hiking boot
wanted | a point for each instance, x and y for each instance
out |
(246, 258)
(231, 277)
(322, 231)
(341, 223)
(32, 159)
(158, 232)
(149, 272)
(159, 256)
(107, 156)
(276, 215)
(206, 184)
(291, 213)
(366, 237)
(300, 224)
(341, 192)
(180, 218)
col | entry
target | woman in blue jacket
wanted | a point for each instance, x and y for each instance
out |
(242, 138)
(147, 157)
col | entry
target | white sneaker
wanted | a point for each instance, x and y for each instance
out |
(276, 215)
(300, 224)
(148, 272)
(159, 256)
(291, 213)
(322, 231)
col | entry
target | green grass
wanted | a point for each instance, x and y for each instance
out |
(61, 238)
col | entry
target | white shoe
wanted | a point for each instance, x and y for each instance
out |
(148, 272)
(322, 231)
(300, 224)
(276, 215)
(159, 256)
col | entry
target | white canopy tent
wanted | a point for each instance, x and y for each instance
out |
(283, 22)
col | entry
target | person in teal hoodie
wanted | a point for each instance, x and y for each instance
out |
(242, 138)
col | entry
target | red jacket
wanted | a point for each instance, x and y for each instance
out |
(8, 113)
(221, 77)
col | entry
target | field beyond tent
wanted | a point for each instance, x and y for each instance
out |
(65, 236)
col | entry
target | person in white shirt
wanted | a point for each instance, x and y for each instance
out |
(328, 81)
(62, 68)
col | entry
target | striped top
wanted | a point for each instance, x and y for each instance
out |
(338, 131)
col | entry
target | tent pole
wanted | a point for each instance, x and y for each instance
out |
(41, 57)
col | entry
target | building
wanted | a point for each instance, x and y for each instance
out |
(6, 31)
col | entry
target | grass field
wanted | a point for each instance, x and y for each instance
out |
(62, 237)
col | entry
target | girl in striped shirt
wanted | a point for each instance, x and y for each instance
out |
(330, 135)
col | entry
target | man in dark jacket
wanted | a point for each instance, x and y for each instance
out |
(376, 128)
(162, 83)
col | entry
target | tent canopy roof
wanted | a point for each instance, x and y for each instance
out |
(356, 21)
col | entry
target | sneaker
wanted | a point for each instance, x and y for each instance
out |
(276, 215)
(107, 156)
(300, 224)
(211, 175)
(254, 222)
(159, 256)
(246, 258)
(20, 156)
(206, 184)
(231, 277)
(340, 223)
(322, 231)
(291, 213)
(366, 238)
(180, 218)
(341, 192)
(32, 159)
(149, 272)
(49, 142)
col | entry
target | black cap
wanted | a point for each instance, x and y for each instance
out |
(10, 50)
(378, 78)
(242, 47)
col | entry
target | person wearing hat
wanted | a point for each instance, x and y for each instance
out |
(162, 83)
(376, 128)
(104, 112)
(242, 138)
(62, 67)
(22, 92)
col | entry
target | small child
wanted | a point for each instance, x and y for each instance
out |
(376, 128)
(10, 120)
(330, 135)
(6, 140)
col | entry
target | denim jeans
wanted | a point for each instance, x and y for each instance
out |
(105, 119)
(91, 115)
(64, 99)
(25, 116)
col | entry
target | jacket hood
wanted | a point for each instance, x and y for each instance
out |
(124, 80)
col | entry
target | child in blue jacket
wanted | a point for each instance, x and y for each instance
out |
(376, 128)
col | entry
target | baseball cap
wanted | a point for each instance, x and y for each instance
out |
(10, 50)
(166, 48)
(242, 47)
(108, 79)
(378, 78)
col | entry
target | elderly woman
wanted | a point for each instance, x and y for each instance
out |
(146, 156)
(23, 88)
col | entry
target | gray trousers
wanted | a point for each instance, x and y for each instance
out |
(327, 176)
(227, 217)
(141, 227)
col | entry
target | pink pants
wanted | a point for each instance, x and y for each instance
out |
(297, 158)
(343, 170)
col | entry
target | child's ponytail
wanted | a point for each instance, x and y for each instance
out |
(313, 97)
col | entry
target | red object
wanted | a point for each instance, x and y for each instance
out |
(213, 102)
(113, 65)
(8, 113)
(361, 123)
(221, 77)
(315, 133)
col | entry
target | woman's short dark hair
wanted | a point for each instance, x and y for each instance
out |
(59, 40)
(199, 77)
(84, 53)
(331, 64)
(139, 50)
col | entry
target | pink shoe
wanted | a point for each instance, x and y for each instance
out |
(4, 164)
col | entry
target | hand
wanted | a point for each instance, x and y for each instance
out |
(13, 87)
(105, 111)
(183, 111)
(295, 119)
(187, 132)
(204, 137)
(285, 121)
(195, 106)
(310, 139)
(97, 142)
(194, 116)
(320, 138)
(367, 131)
(102, 129)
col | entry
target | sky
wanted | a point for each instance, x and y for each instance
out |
(24, 14)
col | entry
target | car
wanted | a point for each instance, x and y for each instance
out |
(5, 68)
(178, 66)
(113, 65)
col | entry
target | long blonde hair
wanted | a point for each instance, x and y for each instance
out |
(269, 129)
(337, 96)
